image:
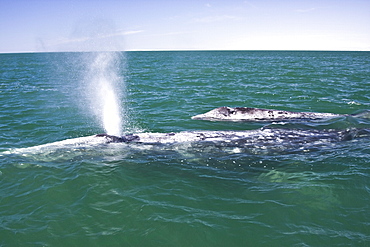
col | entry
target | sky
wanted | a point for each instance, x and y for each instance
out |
(125, 25)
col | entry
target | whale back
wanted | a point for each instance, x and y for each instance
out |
(257, 114)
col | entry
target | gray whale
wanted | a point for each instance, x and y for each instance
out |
(259, 141)
(261, 136)
(256, 114)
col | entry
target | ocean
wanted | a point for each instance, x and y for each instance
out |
(197, 194)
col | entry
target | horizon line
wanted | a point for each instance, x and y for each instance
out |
(180, 50)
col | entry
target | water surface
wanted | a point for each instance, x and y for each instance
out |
(114, 195)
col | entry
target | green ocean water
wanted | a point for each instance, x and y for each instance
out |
(114, 195)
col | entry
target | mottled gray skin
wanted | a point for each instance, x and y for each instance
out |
(256, 114)
(261, 136)
(111, 138)
(264, 140)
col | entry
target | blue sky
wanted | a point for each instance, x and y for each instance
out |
(67, 25)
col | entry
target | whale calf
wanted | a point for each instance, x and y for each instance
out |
(256, 114)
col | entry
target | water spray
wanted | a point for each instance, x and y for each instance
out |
(105, 90)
